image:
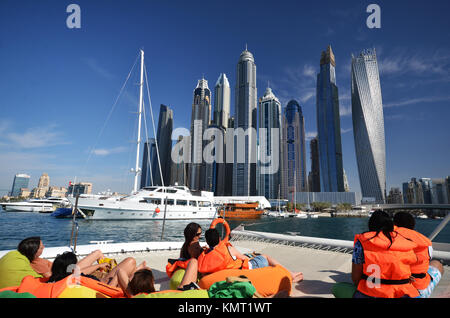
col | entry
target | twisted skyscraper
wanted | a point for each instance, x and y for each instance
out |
(368, 125)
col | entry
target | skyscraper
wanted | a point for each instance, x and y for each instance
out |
(270, 170)
(21, 181)
(200, 120)
(315, 166)
(244, 171)
(328, 126)
(164, 147)
(148, 157)
(368, 125)
(222, 101)
(294, 151)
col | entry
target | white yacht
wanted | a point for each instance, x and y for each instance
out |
(45, 205)
(152, 203)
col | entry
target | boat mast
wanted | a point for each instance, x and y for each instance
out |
(141, 87)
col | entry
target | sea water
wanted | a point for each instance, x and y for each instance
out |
(15, 226)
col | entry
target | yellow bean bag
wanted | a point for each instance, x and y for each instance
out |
(267, 280)
(198, 293)
(176, 278)
(13, 268)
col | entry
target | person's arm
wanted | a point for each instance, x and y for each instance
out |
(90, 269)
(357, 262)
(357, 271)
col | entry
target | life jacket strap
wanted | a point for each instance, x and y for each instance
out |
(421, 275)
(389, 281)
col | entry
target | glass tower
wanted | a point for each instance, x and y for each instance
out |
(244, 171)
(20, 181)
(294, 151)
(270, 172)
(200, 120)
(329, 126)
(368, 125)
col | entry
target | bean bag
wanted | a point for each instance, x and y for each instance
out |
(343, 290)
(267, 280)
(13, 294)
(176, 278)
(13, 268)
(198, 293)
(69, 287)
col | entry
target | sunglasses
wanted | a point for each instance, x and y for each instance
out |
(198, 234)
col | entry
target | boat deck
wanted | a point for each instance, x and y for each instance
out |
(322, 262)
(321, 268)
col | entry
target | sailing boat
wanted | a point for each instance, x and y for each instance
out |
(154, 202)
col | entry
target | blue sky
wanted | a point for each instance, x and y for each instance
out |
(58, 85)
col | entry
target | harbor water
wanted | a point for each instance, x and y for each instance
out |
(15, 226)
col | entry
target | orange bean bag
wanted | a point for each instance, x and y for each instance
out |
(267, 280)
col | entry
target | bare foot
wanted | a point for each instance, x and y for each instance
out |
(297, 277)
(142, 266)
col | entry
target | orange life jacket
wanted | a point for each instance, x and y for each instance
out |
(219, 257)
(419, 270)
(388, 263)
(39, 288)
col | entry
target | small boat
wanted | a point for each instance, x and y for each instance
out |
(241, 211)
(28, 206)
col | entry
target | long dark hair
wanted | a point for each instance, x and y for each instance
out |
(380, 221)
(29, 247)
(190, 232)
(61, 265)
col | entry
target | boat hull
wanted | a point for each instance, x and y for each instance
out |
(44, 208)
(172, 213)
(241, 214)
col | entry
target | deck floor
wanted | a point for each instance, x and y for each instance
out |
(321, 268)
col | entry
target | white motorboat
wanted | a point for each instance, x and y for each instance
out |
(45, 205)
(28, 206)
(153, 203)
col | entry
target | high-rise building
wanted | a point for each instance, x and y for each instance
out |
(427, 185)
(80, 188)
(270, 154)
(179, 169)
(368, 125)
(244, 171)
(200, 120)
(447, 187)
(21, 181)
(413, 192)
(294, 151)
(314, 185)
(439, 192)
(329, 126)
(222, 101)
(163, 146)
(395, 196)
(148, 157)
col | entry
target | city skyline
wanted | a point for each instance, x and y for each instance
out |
(52, 115)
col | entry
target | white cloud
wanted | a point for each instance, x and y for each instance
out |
(310, 135)
(36, 137)
(345, 110)
(106, 152)
(346, 130)
(413, 101)
(97, 68)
